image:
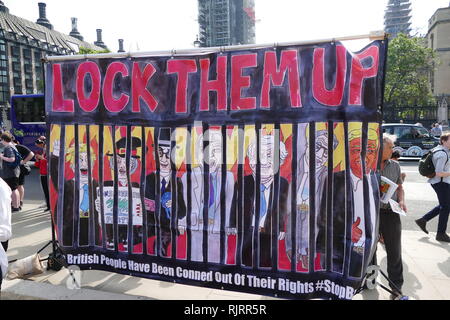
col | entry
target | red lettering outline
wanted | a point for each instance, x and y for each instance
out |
(219, 85)
(358, 73)
(182, 67)
(139, 87)
(89, 103)
(275, 74)
(112, 104)
(59, 103)
(324, 96)
(238, 81)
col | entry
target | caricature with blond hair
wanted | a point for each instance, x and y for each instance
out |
(85, 206)
(359, 231)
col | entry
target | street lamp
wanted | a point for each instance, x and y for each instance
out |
(197, 43)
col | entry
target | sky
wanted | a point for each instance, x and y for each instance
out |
(155, 25)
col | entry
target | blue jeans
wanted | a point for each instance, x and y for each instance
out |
(443, 193)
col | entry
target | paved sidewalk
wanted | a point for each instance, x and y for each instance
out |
(426, 272)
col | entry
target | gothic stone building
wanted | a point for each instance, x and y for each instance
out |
(22, 46)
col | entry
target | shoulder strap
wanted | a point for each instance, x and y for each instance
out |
(442, 178)
(443, 151)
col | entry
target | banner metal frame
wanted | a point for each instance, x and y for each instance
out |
(373, 35)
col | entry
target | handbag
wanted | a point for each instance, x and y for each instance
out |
(25, 169)
(25, 267)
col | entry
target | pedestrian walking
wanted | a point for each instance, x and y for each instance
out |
(390, 223)
(436, 131)
(10, 168)
(441, 185)
(5, 226)
(41, 163)
(25, 169)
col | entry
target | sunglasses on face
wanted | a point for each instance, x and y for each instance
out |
(164, 152)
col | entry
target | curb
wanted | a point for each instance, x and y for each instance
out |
(19, 289)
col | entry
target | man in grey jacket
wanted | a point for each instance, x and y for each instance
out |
(441, 185)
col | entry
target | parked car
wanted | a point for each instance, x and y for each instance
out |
(412, 140)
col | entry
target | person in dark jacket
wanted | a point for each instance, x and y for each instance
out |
(268, 209)
(10, 172)
(160, 219)
(27, 155)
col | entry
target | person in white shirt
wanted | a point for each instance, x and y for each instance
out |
(5, 226)
(441, 185)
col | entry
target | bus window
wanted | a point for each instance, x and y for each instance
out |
(29, 109)
(28, 118)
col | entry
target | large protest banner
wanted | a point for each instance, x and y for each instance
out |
(246, 169)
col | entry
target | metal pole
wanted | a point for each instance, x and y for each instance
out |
(53, 241)
(374, 35)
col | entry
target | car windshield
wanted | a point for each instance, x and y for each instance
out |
(405, 132)
(424, 133)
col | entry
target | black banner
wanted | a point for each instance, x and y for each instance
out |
(252, 170)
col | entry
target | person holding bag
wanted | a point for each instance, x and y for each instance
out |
(441, 185)
(10, 167)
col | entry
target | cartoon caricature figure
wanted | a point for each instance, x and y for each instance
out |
(303, 195)
(85, 203)
(268, 208)
(373, 146)
(167, 190)
(123, 197)
(359, 232)
(214, 160)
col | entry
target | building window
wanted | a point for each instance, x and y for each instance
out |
(15, 51)
(4, 81)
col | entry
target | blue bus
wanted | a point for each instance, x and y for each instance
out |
(28, 118)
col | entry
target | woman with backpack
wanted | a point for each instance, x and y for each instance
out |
(25, 169)
(11, 168)
(441, 185)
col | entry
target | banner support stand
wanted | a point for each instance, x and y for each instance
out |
(398, 293)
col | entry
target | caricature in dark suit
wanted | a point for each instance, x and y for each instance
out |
(123, 197)
(361, 233)
(85, 205)
(373, 146)
(268, 208)
(166, 190)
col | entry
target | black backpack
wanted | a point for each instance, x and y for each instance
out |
(17, 160)
(426, 166)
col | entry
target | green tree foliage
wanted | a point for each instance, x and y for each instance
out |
(84, 50)
(409, 63)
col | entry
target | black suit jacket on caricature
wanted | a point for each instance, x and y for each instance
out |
(339, 214)
(373, 179)
(265, 236)
(68, 214)
(359, 260)
(339, 210)
(150, 195)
